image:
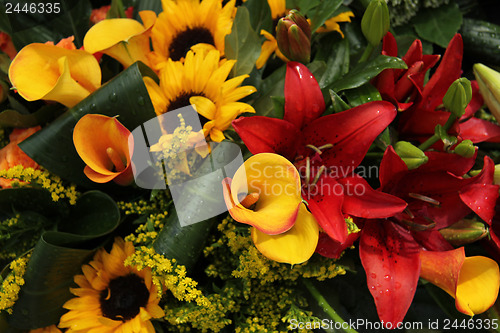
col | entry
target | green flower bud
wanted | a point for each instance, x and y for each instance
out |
(464, 232)
(458, 96)
(293, 35)
(496, 175)
(411, 155)
(465, 148)
(375, 22)
(489, 86)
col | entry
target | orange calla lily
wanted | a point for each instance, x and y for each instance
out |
(123, 39)
(472, 281)
(294, 246)
(273, 186)
(48, 72)
(103, 144)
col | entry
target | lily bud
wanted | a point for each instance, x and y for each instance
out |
(489, 86)
(375, 22)
(411, 155)
(464, 232)
(293, 35)
(465, 149)
(458, 96)
(496, 175)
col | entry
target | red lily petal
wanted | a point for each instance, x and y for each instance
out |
(392, 168)
(391, 261)
(389, 45)
(325, 203)
(414, 53)
(432, 240)
(419, 124)
(479, 130)
(448, 71)
(303, 98)
(329, 248)
(351, 132)
(404, 85)
(479, 198)
(362, 201)
(446, 162)
(268, 135)
(475, 103)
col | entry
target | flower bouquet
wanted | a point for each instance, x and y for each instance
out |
(255, 166)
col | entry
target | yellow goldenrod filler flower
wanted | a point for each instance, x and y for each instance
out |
(201, 81)
(11, 285)
(186, 23)
(112, 297)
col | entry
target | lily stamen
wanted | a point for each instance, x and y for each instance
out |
(424, 198)
(409, 213)
(320, 172)
(250, 200)
(308, 170)
(325, 146)
(316, 149)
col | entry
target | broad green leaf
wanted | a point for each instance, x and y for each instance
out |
(405, 41)
(273, 85)
(125, 96)
(59, 20)
(338, 103)
(336, 55)
(279, 106)
(12, 118)
(366, 71)
(439, 25)
(58, 256)
(242, 44)
(323, 12)
(364, 94)
(154, 5)
(306, 6)
(20, 199)
(260, 15)
(185, 244)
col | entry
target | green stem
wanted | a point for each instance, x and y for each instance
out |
(435, 138)
(325, 306)
(368, 52)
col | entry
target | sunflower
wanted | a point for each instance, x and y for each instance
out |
(186, 23)
(201, 81)
(111, 297)
(48, 329)
(278, 10)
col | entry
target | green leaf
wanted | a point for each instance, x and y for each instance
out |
(306, 6)
(243, 44)
(323, 12)
(260, 15)
(125, 96)
(12, 118)
(38, 27)
(273, 85)
(336, 55)
(364, 94)
(185, 244)
(279, 106)
(439, 25)
(58, 256)
(154, 5)
(338, 103)
(366, 71)
(20, 199)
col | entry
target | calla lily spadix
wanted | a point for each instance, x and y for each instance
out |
(265, 193)
(48, 72)
(103, 144)
(123, 39)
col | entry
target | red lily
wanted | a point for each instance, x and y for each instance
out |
(403, 86)
(419, 121)
(326, 151)
(437, 197)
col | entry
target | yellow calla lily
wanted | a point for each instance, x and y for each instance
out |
(123, 39)
(48, 72)
(103, 144)
(294, 246)
(472, 281)
(273, 187)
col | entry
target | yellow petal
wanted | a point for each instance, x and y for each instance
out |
(478, 284)
(156, 94)
(277, 183)
(42, 71)
(203, 106)
(296, 245)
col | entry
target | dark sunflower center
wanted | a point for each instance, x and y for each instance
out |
(124, 297)
(182, 43)
(181, 101)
